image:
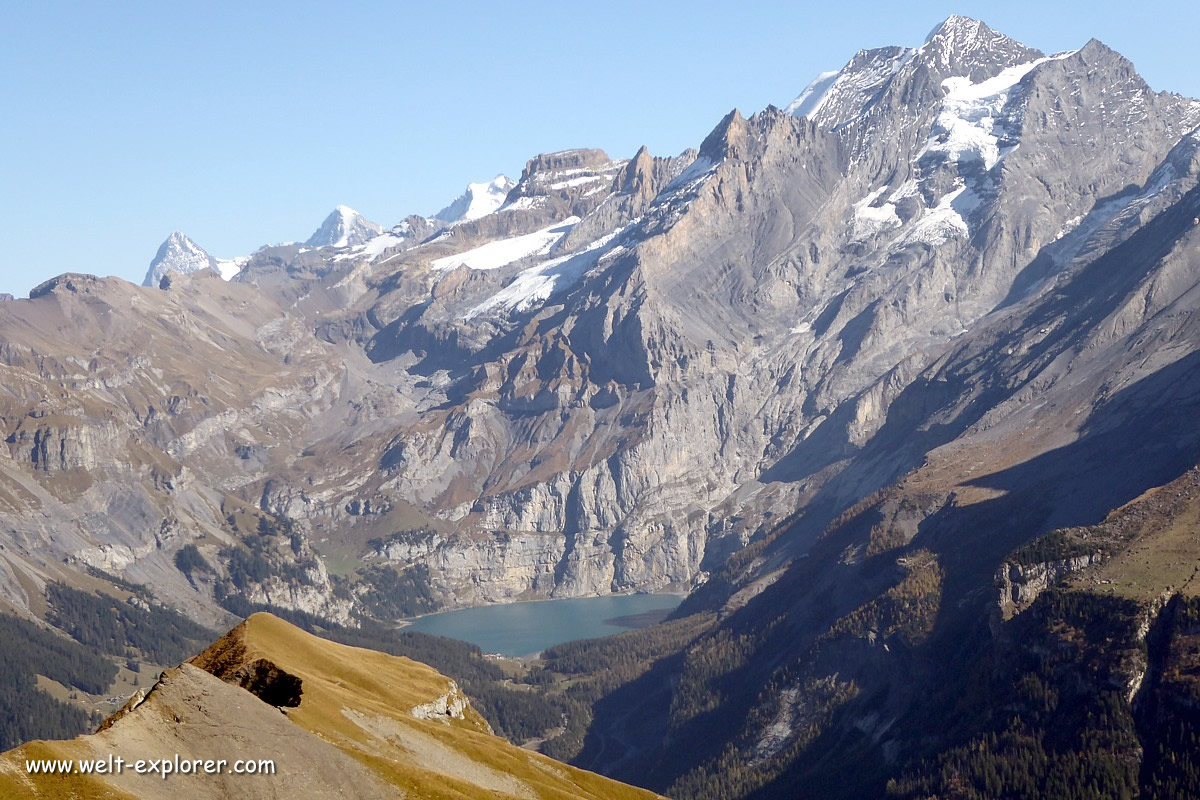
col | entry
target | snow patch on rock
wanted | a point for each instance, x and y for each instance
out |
(870, 219)
(494, 255)
(537, 284)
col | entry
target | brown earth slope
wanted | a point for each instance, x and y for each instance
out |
(337, 721)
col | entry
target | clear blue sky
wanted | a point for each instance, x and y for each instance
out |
(244, 126)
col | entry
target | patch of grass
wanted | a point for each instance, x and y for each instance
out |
(351, 693)
(1164, 556)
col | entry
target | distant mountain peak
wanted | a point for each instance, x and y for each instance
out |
(957, 46)
(958, 27)
(179, 242)
(179, 255)
(177, 238)
(723, 140)
(964, 46)
(479, 200)
(344, 227)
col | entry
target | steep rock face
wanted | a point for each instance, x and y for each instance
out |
(51, 444)
(111, 469)
(314, 594)
(1035, 419)
(632, 368)
(748, 366)
(1020, 584)
(512, 566)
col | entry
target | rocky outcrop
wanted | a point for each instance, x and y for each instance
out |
(314, 596)
(449, 706)
(1018, 585)
(61, 443)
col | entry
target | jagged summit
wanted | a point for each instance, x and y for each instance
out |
(479, 200)
(574, 158)
(957, 47)
(958, 27)
(722, 142)
(552, 167)
(833, 98)
(559, 179)
(180, 255)
(344, 227)
(638, 177)
(968, 47)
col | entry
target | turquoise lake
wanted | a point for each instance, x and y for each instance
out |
(522, 629)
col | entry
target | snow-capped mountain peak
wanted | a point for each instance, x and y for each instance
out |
(957, 27)
(344, 227)
(958, 47)
(178, 245)
(479, 200)
(964, 46)
(180, 255)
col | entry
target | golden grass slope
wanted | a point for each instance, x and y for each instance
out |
(368, 725)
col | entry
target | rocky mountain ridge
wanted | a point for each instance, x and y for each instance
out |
(631, 368)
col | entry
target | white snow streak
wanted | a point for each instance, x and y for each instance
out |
(494, 255)
(227, 268)
(869, 219)
(814, 95)
(536, 284)
(946, 220)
